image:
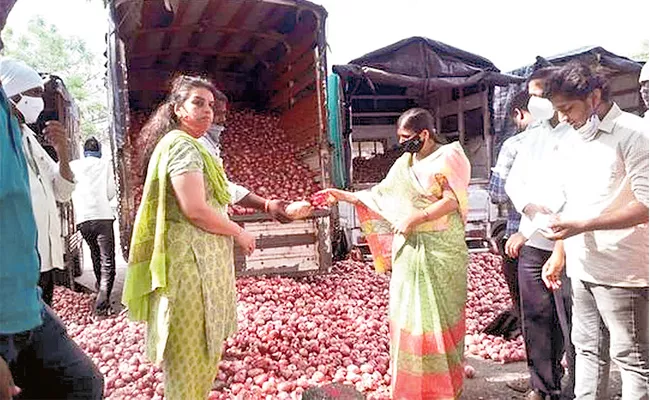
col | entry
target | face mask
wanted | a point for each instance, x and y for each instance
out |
(90, 153)
(589, 130)
(413, 145)
(215, 132)
(540, 108)
(30, 108)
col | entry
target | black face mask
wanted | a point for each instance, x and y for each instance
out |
(413, 145)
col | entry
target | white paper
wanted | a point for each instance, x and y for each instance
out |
(542, 222)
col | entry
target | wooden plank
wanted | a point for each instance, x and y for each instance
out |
(322, 115)
(192, 50)
(144, 84)
(460, 112)
(269, 242)
(300, 67)
(383, 97)
(238, 19)
(305, 44)
(487, 137)
(208, 29)
(375, 114)
(324, 245)
(287, 95)
(471, 102)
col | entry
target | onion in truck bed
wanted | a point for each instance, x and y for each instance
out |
(256, 155)
(293, 333)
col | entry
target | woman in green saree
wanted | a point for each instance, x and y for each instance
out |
(414, 220)
(181, 279)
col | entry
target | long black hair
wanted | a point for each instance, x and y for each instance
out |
(164, 120)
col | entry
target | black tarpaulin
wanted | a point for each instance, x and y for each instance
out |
(425, 64)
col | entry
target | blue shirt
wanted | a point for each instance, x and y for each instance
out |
(20, 303)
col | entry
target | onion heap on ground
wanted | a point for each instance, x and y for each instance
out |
(293, 334)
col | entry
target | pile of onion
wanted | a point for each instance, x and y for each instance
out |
(293, 333)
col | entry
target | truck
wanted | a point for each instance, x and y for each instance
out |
(267, 56)
(373, 91)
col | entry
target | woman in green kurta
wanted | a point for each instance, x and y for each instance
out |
(181, 278)
(414, 220)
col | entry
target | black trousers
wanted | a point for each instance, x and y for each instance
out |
(101, 240)
(47, 364)
(546, 326)
(510, 268)
(46, 283)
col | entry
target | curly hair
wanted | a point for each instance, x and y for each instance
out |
(576, 80)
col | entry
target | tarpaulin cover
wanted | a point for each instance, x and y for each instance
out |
(423, 64)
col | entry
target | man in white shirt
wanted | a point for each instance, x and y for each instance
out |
(239, 195)
(530, 186)
(603, 232)
(94, 217)
(50, 182)
(644, 80)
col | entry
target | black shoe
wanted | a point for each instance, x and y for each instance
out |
(102, 304)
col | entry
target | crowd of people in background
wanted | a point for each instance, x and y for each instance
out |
(575, 177)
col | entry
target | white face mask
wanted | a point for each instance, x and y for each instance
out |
(540, 108)
(30, 107)
(215, 132)
(589, 130)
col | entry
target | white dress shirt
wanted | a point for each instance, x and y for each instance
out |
(533, 178)
(47, 186)
(601, 175)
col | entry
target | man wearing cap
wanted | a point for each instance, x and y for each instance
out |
(49, 182)
(37, 359)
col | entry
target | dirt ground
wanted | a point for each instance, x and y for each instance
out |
(490, 382)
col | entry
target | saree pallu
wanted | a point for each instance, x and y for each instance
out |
(428, 286)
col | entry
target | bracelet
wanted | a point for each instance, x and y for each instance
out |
(426, 214)
(266, 206)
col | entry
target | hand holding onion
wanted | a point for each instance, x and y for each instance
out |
(299, 210)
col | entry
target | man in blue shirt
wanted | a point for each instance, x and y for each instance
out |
(518, 111)
(37, 359)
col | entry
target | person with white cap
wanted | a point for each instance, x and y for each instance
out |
(644, 80)
(49, 182)
(38, 360)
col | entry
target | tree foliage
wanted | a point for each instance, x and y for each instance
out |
(47, 50)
